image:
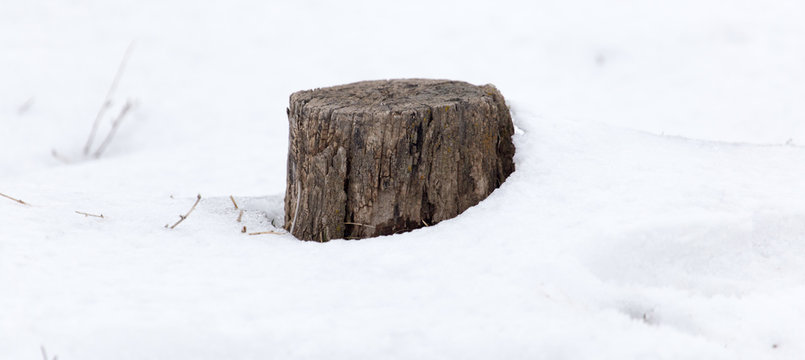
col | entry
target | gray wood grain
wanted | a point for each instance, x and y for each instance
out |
(382, 157)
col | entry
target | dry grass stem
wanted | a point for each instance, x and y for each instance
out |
(298, 196)
(14, 199)
(233, 202)
(107, 102)
(182, 217)
(358, 224)
(113, 130)
(240, 216)
(424, 223)
(266, 233)
(88, 214)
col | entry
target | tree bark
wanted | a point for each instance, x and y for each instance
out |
(382, 157)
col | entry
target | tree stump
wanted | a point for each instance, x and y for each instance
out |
(382, 157)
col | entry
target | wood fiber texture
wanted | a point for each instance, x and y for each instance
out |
(382, 157)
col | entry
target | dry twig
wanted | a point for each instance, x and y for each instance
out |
(17, 200)
(107, 102)
(244, 229)
(88, 214)
(233, 202)
(266, 233)
(182, 217)
(240, 216)
(113, 130)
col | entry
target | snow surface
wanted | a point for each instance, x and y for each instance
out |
(656, 211)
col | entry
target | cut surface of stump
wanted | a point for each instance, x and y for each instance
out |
(382, 157)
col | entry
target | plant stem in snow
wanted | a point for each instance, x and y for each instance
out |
(17, 200)
(107, 102)
(182, 217)
(266, 233)
(88, 214)
(296, 211)
(113, 130)
(357, 224)
(233, 202)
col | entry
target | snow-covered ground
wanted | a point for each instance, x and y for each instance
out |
(656, 211)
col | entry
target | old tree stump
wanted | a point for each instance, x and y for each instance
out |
(382, 157)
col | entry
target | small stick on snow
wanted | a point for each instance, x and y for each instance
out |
(182, 217)
(244, 229)
(233, 202)
(107, 102)
(113, 130)
(240, 216)
(266, 233)
(88, 214)
(17, 200)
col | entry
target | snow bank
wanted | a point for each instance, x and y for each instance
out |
(655, 212)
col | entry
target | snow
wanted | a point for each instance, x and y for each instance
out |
(656, 210)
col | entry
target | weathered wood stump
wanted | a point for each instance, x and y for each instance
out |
(382, 157)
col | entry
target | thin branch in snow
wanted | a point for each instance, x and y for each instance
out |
(233, 202)
(240, 216)
(182, 217)
(266, 233)
(244, 229)
(113, 130)
(88, 214)
(14, 199)
(107, 102)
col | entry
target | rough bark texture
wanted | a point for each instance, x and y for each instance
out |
(382, 157)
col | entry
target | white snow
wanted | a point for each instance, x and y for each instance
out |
(656, 211)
